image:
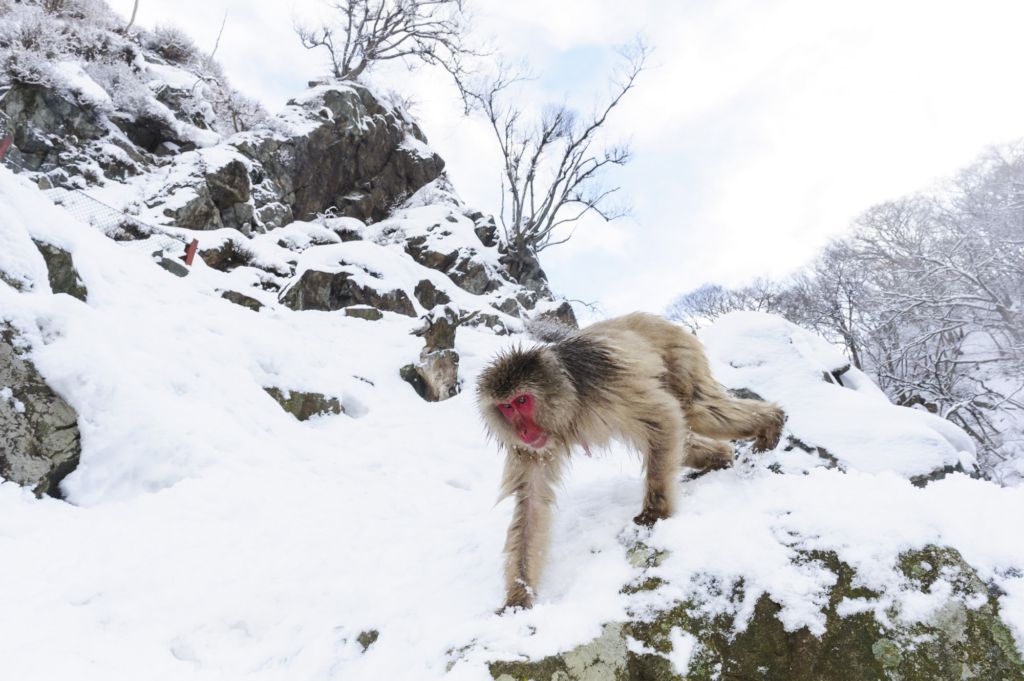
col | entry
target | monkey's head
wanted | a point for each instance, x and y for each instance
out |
(526, 399)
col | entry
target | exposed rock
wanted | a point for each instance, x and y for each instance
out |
(243, 300)
(62, 273)
(429, 296)
(940, 473)
(229, 191)
(174, 267)
(367, 638)
(524, 268)
(527, 299)
(39, 438)
(305, 405)
(274, 215)
(437, 373)
(199, 212)
(606, 658)
(491, 321)
(411, 375)
(473, 276)
(486, 230)
(509, 306)
(421, 253)
(364, 312)
(41, 118)
(334, 291)
(11, 281)
(359, 159)
(957, 642)
(224, 257)
(745, 394)
(554, 324)
(153, 133)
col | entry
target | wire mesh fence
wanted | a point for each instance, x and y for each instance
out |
(116, 224)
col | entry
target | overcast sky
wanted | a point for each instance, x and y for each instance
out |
(765, 126)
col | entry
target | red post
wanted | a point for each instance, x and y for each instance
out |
(190, 252)
(5, 143)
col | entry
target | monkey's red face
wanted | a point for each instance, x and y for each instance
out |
(519, 412)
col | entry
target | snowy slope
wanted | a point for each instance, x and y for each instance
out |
(210, 535)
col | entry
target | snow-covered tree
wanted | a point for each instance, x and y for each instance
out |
(927, 295)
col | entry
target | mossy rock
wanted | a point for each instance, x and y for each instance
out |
(367, 638)
(606, 658)
(305, 405)
(964, 639)
(242, 299)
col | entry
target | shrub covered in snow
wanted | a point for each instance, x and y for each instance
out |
(36, 38)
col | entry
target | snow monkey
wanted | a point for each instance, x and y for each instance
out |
(638, 379)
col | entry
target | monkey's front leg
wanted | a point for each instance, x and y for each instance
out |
(664, 442)
(532, 480)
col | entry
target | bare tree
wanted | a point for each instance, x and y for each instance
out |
(700, 307)
(362, 32)
(551, 168)
(131, 22)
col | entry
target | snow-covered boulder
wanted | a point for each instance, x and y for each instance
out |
(835, 413)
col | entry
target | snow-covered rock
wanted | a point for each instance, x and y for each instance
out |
(843, 417)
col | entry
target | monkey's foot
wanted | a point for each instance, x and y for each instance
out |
(648, 517)
(769, 438)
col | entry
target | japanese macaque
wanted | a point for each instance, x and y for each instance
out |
(638, 379)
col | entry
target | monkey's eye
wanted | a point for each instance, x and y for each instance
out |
(506, 407)
(522, 400)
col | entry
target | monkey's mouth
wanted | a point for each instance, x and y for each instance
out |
(539, 443)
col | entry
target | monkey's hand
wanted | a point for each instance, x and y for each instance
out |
(647, 518)
(514, 605)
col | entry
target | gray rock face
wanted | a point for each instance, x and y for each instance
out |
(62, 273)
(274, 215)
(197, 213)
(335, 291)
(361, 159)
(42, 118)
(524, 268)
(39, 438)
(429, 296)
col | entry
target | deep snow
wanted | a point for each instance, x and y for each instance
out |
(208, 534)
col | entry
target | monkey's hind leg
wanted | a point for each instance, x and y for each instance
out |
(532, 482)
(722, 417)
(706, 454)
(661, 442)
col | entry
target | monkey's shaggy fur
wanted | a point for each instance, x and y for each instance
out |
(638, 379)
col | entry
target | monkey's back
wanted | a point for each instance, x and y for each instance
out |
(658, 350)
